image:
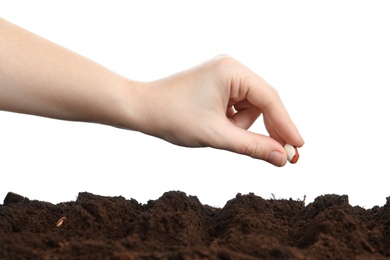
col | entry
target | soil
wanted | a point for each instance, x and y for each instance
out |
(178, 226)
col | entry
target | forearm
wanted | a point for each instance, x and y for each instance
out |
(41, 78)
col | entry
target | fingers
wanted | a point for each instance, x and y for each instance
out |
(277, 120)
(248, 86)
(251, 144)
(272, 132)
(282, 127)
(243, 114)
(250, 96)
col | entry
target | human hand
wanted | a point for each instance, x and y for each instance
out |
(213, 104)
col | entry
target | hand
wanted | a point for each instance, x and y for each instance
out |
(213, 105)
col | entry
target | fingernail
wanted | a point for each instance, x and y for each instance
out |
(277, 158)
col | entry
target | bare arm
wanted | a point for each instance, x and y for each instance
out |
(212, 104)
(41, 78)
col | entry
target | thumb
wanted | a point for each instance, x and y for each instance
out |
(257, 146)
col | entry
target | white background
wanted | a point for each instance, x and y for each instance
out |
(329, 60)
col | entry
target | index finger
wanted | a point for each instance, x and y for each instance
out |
(263, 95)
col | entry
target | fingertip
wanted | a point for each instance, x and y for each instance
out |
(277, 158)
(295, 137)
(257, 146)
(299, 142)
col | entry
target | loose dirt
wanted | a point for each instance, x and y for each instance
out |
(178, 226)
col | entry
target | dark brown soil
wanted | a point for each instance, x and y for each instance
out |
(178, 226)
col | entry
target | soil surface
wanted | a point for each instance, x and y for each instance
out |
(178, 226)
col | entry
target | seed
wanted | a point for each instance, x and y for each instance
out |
(60, 221)
(292, 153)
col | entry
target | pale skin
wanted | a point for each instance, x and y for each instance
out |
(210, 105)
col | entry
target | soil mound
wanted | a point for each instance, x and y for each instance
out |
(178, 226)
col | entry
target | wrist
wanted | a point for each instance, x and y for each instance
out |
(130, 106)
(142, 108)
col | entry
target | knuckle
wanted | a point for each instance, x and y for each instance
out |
(223, 62)
(254, 150)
